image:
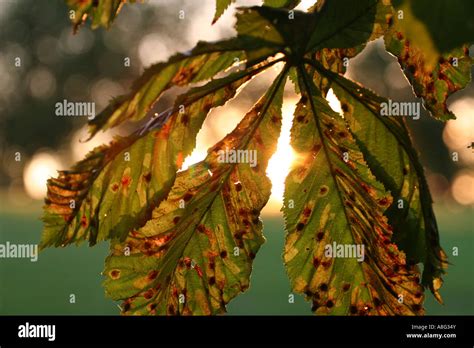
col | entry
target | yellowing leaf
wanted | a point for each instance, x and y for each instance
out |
(115, 188)
(101, 12)
(387, 147)
(434, 74)
(338, 248)
(195, 253)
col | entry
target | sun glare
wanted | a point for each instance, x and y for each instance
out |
(280, 163)
(37, 172)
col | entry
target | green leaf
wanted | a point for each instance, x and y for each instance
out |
(330, 200)
(221, 6)
(435, 68)
(389, 152)
(202, 63)
(115, 188)
(195, 254)
(449, 23)
(342, 24)
(101, 12)
(334, 58)
(282, 3)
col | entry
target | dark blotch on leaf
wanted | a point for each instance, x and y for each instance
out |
(147, 177)
(187, 197)
(326, 263)
(148, 294)
(377, 302)
(223, 254)
(315, 262)
(171, 310)
(383, 201)
(152, 275)
(323, 287)
(300, 226)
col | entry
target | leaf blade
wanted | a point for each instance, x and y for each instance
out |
(339, 285)
(198, 258)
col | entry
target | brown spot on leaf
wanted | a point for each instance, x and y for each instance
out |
(171, 309)
(326, 263)
(115, 274)
(342, 134)
(184, 119)
(148, 294)
(300, 226)
(319, 235)
(329, 304)
(147, 177)
(315, 262)
(389, 20)
(323, 287)
(323, 190)
(126, 180)
(238, 187)
(346, 286)
(84, 221)
(307, 212)
(187, 196)
(176, 219)
(152, 275)
(223, 254)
